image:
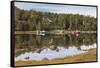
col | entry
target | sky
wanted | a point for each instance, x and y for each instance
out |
(66, 9)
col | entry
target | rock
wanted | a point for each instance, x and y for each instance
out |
(38, 50)
(27, 57)
(45, 59)
(53, 47)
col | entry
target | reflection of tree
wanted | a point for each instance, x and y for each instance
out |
(31, 42)
(67, 41)
(56, 40)
(89, 39)
(86, 39)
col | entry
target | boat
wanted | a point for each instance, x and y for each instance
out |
(76, 33)
(43, 32)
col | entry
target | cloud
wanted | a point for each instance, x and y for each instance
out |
(83, 10)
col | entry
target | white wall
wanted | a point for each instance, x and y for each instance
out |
(5, 34)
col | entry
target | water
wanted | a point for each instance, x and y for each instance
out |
(53, 46)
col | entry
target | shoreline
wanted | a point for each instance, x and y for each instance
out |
(84, 57)
(56, 32)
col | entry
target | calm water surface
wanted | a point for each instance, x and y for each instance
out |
(32, 47)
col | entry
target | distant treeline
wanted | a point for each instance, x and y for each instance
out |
(28, 20)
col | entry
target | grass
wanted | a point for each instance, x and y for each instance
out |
(85, 57)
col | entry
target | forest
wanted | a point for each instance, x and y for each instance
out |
(30, 20)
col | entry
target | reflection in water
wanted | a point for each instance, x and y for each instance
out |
(32, 47)
(52, 54)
